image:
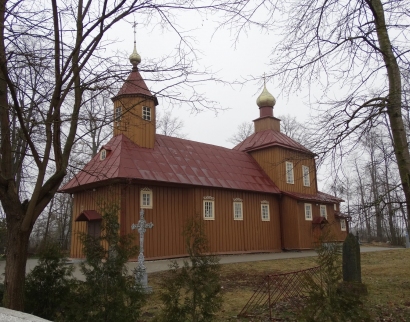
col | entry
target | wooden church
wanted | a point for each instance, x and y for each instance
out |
(260, 196)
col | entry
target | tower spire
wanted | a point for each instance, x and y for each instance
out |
(135, 58)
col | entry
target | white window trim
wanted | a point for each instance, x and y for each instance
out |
(103, 154)
(307, 215)
(265, 204)
(146, 191)
(306, 176)
(334, 206)
(343, 224)
(240, 205)
(323, 210)
(146, 113)
(211, 202)
(290, 178)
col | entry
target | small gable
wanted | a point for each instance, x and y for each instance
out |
(89, 215)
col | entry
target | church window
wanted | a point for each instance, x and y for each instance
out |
(334, 206)
(146, 113)
(118, 113)
(323, 212)
(308, 211)
(306, 177)
(103, 154)
(265, 211)
(343, 224)
(146, 198)
(289, 172)
(237, 209)
(209, 209)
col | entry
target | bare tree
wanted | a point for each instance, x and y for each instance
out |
(168, 125)
(245, 130)
(51, 63)
(352, 51)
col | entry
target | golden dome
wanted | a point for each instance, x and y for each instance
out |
(266, 98)
(135, 58)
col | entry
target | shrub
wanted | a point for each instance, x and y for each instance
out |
(108, 293)
(192, 293)
(48, 285)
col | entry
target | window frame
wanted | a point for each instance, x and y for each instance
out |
(343, 224)
(212, 203)
(306, 206)
(306, 175)
(103, 154)
(323, 207)
(290, 176)
(334, 207)
(146, 113)
(265, 205)
(237, 216)
(118, 113)
(146, 191)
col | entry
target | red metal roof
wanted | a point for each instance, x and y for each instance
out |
(134, 85)
(319, 197)
(269, 138)
(89, 215)
(178, 161)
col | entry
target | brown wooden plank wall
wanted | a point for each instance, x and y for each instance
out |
(132, 125)
(272, 160)
(171, 206)
(88, 200)
(299, 233)
(227, 235)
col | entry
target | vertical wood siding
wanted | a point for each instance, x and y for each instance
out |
(88, 200)
(272, 160)
(132, 125)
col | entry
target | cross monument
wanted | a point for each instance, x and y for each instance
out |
(141, 271)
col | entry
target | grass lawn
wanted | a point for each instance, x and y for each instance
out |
(386, 274)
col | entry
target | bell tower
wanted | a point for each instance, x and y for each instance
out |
(135, 107)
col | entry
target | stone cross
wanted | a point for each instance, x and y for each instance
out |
(141, 271)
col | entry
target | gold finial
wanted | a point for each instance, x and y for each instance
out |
(135, 58)
(265, 98)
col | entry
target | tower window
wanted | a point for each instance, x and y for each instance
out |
(289, 172)
(146, 113)
(306, 178)
(118, 113)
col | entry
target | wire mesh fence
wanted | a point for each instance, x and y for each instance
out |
(279, 292)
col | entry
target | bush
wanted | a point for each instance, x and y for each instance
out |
(192, 293)
(330, 301)
(48, 285)
(108, 293)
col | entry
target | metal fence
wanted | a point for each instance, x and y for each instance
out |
(279, 292)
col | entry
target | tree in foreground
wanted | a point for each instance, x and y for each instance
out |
(48, 285)
(352, 55)
(109, 293)
(53, 60)
(192, 292)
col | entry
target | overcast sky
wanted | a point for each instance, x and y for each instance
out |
(229, 60)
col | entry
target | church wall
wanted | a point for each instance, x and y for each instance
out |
(272, 160)
(89, 200)
(251, 234)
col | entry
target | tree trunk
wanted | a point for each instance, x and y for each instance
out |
(401, 148)
(16, 258)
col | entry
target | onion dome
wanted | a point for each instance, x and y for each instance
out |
(135, 58)
(265, 99)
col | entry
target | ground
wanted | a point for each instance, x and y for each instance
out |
(386, 274)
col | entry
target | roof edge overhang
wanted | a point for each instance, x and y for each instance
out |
(153, 97)
(314, 198)
(266, 117)
(269, 145)
(108, 182)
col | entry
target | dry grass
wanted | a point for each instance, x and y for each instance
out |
(386, 274)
